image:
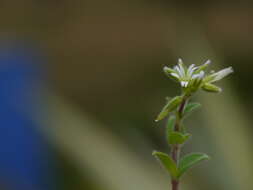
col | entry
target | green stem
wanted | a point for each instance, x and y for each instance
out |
(176, 149)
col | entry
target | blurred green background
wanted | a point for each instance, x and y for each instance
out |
(106, 86)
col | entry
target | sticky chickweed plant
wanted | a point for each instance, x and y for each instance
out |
(191, 80)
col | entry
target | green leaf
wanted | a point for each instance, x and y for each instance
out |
(189, 161)
(167, 163)
(178, 138)
(169, 107)
(170, 125)
(211, 88)
(189, 108)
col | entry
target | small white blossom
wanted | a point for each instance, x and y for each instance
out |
(195, 77)
(186, 75)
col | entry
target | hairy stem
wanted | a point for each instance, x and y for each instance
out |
(176, 149)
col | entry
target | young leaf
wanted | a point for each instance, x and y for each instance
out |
(170, 125)
(190, 108)
(189, 161)
(178, 138)
(167, 162)
(169, 107)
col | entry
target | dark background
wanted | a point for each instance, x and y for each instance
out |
(103, 63)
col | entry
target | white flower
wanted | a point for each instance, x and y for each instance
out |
(194, 77)
(186, 75)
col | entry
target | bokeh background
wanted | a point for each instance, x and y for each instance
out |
(81, 84)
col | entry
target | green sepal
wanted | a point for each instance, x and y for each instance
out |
(202, 67)
(169, 107)
(195, 84)
(211, 88)
(168, 70)
(168, 163)
(191, 107)
(178, 138)
(189, 161)
(209, 78)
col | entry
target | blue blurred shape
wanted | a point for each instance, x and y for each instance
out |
(24, 154)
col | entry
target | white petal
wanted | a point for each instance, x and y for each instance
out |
(168, 70)
(180, 61)
(182, 71)
(204, 66)
(207, 62)
(199, 75)
(195, 76)
(191, 69)
(178, 70)
(165, 68)
(184, 83)
(174, 75)
(222, 73)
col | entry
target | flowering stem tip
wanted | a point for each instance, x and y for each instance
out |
(191, 79)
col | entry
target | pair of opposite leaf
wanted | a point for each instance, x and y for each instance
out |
(175, 170)
(179, 137)
(187, 162)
